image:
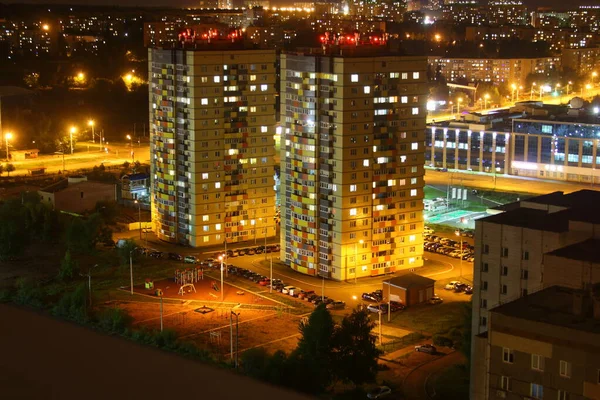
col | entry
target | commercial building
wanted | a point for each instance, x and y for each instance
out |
(543, 346)
(77, 195)
(511, 252)
(212, 119)
(531, 139)
(352, 150)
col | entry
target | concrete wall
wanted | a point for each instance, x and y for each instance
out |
(83, 197)
(571, 273)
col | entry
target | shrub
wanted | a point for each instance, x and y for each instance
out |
(442, 341)
(28, 293)
(72, 305)
(114, 320)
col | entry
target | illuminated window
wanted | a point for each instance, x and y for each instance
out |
(263, 88)
(218, 227)
(252, 109)
(218, 185)
(416, 75)
(367, 89)
(252, 78)
(217, 79)
(404, 99)
(205, 238)
(365, 163)
(253, 88)
(411, 238)
(413, 192)
(353, 188)
(353, 211)
(205, 218)
(205, 228)
(204, 79)
(415, 111)
(205, 175)
(263, 129)
(405, 75)
(354, 78)
(414, 146)
(204, 102)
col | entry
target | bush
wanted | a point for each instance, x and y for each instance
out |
(167, 339)
(28, 293)
(114, 320)
(72, 305)
(442, 341)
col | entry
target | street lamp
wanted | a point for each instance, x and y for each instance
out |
(485, 99)
(91, 124)
(532, 88)
(131, 146)
(458, 101)
(139, 216)
(594, 75)
(569, 87)
(7, 136)
(89, 276)
(221, 260)
(72, 131)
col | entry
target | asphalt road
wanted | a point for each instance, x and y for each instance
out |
(45, 358)
(415, 384)
(504, 183)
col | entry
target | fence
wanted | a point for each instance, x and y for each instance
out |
(413, 337)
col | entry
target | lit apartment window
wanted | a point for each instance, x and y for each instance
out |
(253, 88)
(252, 78)
(252, 109)
(536, 391)
(353, 211)
(218, 227)
(353, 188)
(416, 75)
(414, 146)
(204, 102)
(205, 175)
(205, 228)
(204, 79)
(565, 369)
(263, 88)
(365, 163)
(263, 129)
(205, 218)
(367, 89)
(415, 111)
(413, 192)
(411, 238)
(354, 78)
(217, 79)
(217, 185)
(404, 99)
(508, 355)
(405, 75)
(537, 362)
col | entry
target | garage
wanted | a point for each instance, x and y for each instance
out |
(409, 289)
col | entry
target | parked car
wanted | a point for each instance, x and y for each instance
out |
(336, 305)
(469, 289)
(295, 292)
(396, 306)
(259, 250)
(190, 260)
(305, 293)
(109, 243)
(435, 300)
(311, 297)
(250, 252)
(264, 282)
(426, 348)
(156, 254)
(175, 256)
(235, 253)
(451, 285)
(369, 297)
(242, 252)
(460, 287)
(379, 392)
(374, 308)
(286, 290)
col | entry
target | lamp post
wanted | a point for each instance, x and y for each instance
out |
(139, 216)
(458, 101)
(71, 133)
(92, 124)
(532, 88)
(594, 75)
(569, 87)
(131, 147)
(8, 136)
(237, 336)
(265, 229)
(221, 260)
(89, 276)
(131, 269)
(485, 99)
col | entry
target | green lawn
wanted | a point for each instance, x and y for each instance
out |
(432, 192)
(432, 319)
(453, 383)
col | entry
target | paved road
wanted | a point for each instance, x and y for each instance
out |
(500, 182)
(415, 383)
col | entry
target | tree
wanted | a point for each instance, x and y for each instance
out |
(67, 267)
(1, 169)
(125, 249)
(314, 354)
(355, 350)
(9, 168)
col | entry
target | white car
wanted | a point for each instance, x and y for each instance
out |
(287, 289)
(451, 285)
(374, 308)
(379, 392)
(294, 291)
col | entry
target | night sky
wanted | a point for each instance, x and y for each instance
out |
(191, 3)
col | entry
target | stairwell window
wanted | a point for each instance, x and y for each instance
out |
(537, 362)
(505, 383)
(504, 252)
(504, 270)
(565, 369)
(508, 355)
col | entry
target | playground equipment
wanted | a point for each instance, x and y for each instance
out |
(149, 284)
(188, 286)
(189, 275)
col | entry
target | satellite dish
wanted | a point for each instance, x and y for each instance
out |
(576, 102)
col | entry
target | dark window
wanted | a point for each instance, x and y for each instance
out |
(484, 267)
(504, 289)
(505, 270)
(524, 274)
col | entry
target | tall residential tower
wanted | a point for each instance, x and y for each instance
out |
(212, 118)
(352, 157)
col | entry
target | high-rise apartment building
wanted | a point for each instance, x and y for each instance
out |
(352, 158)
(515, 256)
(212, 118)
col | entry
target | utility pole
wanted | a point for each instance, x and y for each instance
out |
(89, 276)
(380, 336)
(389, 301)
(271, 277)
(131, 269)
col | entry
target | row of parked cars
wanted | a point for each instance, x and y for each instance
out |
(449, 247)
(250, 251)
(459, 287)
(279, 286)
(377, 296)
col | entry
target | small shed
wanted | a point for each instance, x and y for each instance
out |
(20, 155)
(409, 289)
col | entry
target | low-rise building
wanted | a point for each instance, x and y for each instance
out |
(77, 194)
(409, 289)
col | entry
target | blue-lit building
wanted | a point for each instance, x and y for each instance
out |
(546, 142)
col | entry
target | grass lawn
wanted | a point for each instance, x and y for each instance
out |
(453, 383)
(431, 319)
(433, 192)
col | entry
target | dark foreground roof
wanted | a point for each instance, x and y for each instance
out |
(532, 219)
(410, 280)
(588, 250)
(43, 358)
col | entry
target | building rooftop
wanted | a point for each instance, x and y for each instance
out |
(65, 186)
(555, 306)
(410, 280)
(588, 250)
(532, 219)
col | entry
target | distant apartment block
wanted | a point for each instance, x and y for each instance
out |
(212, 118)
(352, 162)
(497, 70)
(511, 252)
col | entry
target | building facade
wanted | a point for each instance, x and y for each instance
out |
(352, 159)
(510, 254)
(212, 119)
(544, 346)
